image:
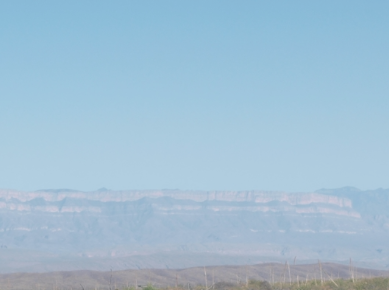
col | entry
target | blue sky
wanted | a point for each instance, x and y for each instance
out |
(268, 95)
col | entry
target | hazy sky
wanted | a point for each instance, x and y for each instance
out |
(272, 95)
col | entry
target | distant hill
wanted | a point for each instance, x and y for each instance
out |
(70, 229)
(368, 202)
(163, 278)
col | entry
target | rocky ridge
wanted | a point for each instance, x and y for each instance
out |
(327, 224)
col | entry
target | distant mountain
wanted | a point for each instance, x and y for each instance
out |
(368, 202)
(159, 225)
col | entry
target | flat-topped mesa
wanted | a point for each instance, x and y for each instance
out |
(197, 196)
(270, 224)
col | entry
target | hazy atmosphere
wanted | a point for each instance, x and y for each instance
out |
(201, 95)
(200, 145)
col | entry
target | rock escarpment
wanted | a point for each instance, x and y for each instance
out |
(328, 224)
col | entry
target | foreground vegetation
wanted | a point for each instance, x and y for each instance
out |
(379, 283)
(337, 284)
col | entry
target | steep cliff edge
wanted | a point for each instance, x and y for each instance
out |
(326, 224)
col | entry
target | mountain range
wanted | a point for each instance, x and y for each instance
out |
(66, 229)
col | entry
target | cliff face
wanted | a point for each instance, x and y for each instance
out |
(198, 196)
(325, 224)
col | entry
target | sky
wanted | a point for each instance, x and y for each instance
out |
(196, 95)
